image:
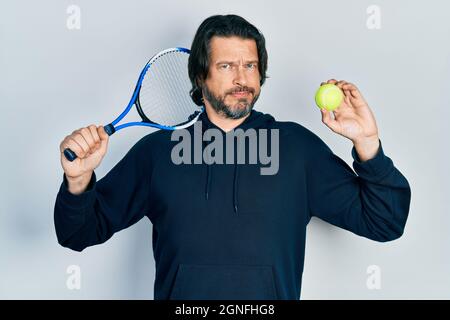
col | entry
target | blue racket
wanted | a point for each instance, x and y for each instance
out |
(161, 96)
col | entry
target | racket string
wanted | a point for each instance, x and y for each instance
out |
(164, 94)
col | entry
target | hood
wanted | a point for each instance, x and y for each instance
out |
(255, 120)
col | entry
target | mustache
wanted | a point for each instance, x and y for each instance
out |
(241, 89)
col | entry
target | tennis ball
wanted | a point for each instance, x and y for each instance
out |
(329, 96)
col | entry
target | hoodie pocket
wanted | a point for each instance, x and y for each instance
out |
(224, 282)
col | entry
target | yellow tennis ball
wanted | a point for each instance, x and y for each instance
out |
(329, 96)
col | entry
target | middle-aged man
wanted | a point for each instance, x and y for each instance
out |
(226, 230)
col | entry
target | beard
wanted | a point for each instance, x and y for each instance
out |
(241, 109)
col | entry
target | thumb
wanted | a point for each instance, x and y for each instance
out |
(329, 121)
(102, 133)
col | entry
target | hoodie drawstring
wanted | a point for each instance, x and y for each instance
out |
(255, 120)
(235, 187)
(208, 174)
(208, 180)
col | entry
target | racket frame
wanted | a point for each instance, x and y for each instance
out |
(111, 128)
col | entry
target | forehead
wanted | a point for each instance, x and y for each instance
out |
(232, 48)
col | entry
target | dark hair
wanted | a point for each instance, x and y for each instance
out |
(222, 26)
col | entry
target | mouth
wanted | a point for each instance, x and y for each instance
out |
(240, 94)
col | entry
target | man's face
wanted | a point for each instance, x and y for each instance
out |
(233, 82)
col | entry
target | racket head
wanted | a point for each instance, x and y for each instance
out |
(163, 89)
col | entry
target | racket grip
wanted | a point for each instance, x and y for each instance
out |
(70, 155)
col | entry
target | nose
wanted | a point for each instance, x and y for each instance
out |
(240, 78)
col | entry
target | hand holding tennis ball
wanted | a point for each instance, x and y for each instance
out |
(329, 96)
(353, 118)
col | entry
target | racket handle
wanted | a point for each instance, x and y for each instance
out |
(70, 155)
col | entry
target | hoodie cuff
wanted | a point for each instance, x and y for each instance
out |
(373, 169)
(82, 200)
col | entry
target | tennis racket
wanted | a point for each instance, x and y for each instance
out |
(161, 96)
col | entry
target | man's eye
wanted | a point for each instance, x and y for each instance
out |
(251, 65)
(224, 66)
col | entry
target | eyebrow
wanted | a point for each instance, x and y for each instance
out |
(231, 62)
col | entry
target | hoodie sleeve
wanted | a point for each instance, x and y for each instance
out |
(373, 203)
(109, 205)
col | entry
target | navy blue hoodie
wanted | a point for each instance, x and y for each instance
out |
(224, 231)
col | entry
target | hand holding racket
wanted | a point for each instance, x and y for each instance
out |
(161, 98)
(91, 144)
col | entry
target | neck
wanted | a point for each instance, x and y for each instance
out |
(224, 123)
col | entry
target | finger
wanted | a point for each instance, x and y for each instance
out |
(87, 135)
(354, 91)
(71, 144)
(326, 116)
(102, 133)
(343, 85)
(346, 92)
(340, 84)
(333, 81)
(350, 86)
(336, 114)
(63, 144)
(78, 138)
(347, 97)
(329, 121)
(103, 139)
(95, 135)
